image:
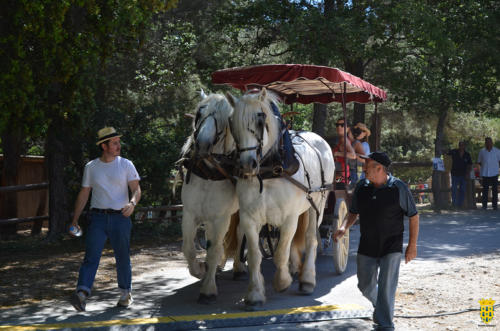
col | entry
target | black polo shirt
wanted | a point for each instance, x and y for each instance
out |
(459, 163)
(381, 212)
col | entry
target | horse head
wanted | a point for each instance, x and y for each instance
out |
(254, 127)
(211, 126)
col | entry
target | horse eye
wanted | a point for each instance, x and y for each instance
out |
(261, 119)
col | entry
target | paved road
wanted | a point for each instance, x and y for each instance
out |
(172, 292)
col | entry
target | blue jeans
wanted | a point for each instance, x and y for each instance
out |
(117, 228)
(378, 280)
(457, 184)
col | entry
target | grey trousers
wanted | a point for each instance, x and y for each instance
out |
(378, 280)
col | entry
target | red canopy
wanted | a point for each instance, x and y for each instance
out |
(301, 83)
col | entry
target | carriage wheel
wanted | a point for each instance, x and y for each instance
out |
(340, 248)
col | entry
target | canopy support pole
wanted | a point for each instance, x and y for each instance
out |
(344, 108)
(377, 137)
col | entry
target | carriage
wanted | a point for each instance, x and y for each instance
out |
(296, 83)
(234, 145)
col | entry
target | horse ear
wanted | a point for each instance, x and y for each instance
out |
(202, 94)
(231, 99)
(262, 94)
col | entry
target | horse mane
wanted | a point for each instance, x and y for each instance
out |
(254, 103)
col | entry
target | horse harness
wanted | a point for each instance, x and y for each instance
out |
(269, 169)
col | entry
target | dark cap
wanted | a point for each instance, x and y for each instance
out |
(380, 157)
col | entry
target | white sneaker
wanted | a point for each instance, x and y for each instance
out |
(125, 299)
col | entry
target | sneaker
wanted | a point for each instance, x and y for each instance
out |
(125, 300)
(78, 300)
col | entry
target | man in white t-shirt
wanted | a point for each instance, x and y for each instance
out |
(489, 161)
(109, 178)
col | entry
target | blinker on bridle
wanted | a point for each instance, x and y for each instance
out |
(198, 125)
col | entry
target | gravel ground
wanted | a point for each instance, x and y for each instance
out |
(458, 264)
(430, 287)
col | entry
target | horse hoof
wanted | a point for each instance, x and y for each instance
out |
(306, 288)
(253, 305)
(206, 299)
(240, 275)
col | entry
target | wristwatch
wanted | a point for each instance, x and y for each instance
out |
(133, 203)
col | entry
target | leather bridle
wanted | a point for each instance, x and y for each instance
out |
(198, 124)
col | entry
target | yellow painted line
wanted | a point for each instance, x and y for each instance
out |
(183, 318)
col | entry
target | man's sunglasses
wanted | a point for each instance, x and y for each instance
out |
(339, 124)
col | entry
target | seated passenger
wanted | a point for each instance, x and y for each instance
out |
(341, 169)
(361, 133)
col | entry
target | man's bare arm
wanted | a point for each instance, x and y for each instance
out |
(81, 201)
(128, 209)
(348, 222)
(411, 250)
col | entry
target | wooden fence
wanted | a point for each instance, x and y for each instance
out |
(174, 212)
(22, 188)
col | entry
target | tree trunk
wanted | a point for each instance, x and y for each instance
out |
(356, 67)
(375, 128)
(319, 119)
(12, 144)
(439, 200)
(319, 110)
(57, 161)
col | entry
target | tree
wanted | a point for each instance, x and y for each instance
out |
(443, 66)
(49, 50)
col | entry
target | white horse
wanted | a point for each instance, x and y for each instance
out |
(256, 131)
(206, 201)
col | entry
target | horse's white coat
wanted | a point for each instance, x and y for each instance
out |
(208, 202)
(280, 202)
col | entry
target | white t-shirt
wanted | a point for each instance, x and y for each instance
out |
(489, 161)
(109, 182)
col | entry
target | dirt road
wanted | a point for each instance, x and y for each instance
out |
(458, 264)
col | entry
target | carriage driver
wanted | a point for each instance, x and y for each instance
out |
(108, 177)
(381, 201)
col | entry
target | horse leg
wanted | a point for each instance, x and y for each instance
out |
(282, 278)
(256, 292)
(189, 226)
(298, 244)
(239, 267)
(307, 276)
(215, 235)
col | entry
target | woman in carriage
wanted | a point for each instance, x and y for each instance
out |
(342, 171)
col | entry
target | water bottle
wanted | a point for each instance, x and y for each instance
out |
(75, 231)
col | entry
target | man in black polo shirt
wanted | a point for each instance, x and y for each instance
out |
(381, 201)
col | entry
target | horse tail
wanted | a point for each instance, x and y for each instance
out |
(231, 237)
(178, 178)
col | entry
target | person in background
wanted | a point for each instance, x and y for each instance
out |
(489, 161)
(381, 201)
(460, 170)
(342, 171)
(109, 178)
(361, 134)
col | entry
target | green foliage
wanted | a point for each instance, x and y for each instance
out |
(138, 67)
(443, 63)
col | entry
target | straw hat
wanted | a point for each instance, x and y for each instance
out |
(363, 127)
(106, 134)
